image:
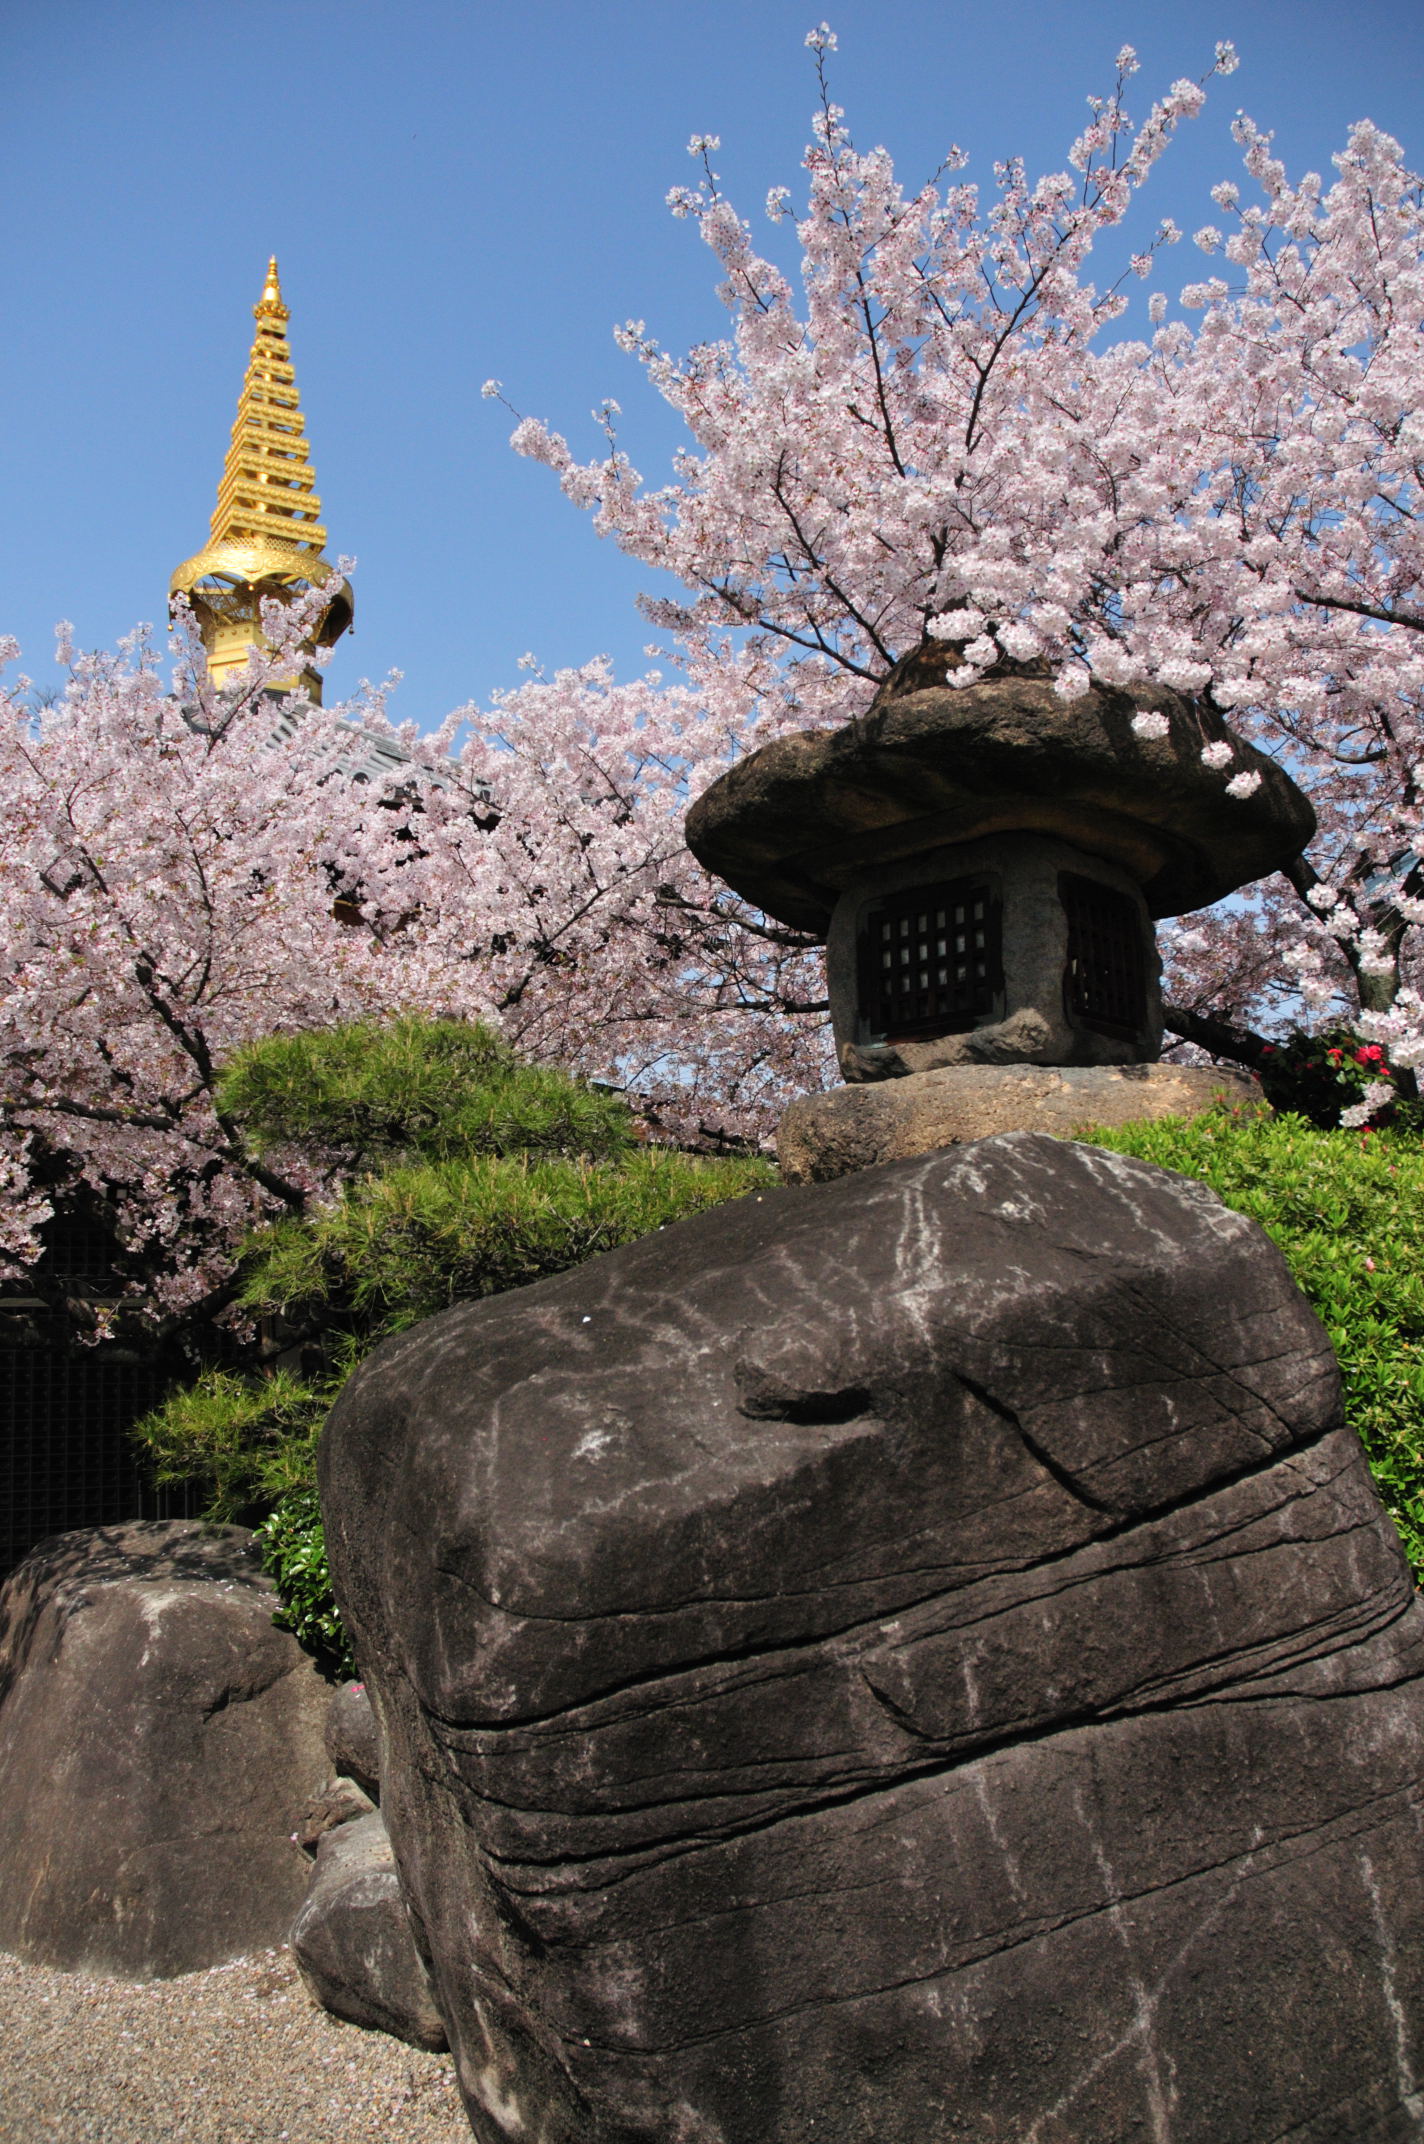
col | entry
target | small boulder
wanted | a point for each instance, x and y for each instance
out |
(339, 1802)
(159, 1739)
(353, 1943)
(353, 1738)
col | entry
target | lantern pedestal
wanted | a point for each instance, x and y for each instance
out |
(823, 1136)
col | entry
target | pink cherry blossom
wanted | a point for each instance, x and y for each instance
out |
(182, 871)
(932, 434)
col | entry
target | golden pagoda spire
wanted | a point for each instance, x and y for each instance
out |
(266, 537)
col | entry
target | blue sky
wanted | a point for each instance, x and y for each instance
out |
(458, 190)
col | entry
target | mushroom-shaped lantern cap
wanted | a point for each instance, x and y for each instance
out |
(789, 826)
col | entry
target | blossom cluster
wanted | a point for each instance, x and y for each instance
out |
(183, 871)
(931, 437)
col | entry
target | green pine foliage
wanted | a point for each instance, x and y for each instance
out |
(458, 1172)
(1347, 1211)
(405, 1242)
(247, 1441)
(444, 1089)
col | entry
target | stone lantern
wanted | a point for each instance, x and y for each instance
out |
(985, 867)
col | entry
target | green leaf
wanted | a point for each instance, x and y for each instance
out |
(1347, 1211)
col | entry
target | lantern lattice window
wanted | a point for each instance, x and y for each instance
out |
(931, 960)
(1105, 975)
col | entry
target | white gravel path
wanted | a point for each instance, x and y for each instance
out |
(237, 2055)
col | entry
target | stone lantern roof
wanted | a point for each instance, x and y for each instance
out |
(928, 767)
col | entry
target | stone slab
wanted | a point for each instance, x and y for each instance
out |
(823, 1136)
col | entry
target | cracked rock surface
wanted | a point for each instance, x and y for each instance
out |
(159, 1740)
(906, 1659)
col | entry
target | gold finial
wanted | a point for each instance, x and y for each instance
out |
(266, 536)
(270, 302)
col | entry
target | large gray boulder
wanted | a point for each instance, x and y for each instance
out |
(911, 1659)
(159, 1739)
(353, 1943)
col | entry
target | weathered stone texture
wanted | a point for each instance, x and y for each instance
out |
(338, 1802)
(352, 1939)
(823, 1136)
(927, 767)
(352, 1741)
(159, 1739)
(916, 1659)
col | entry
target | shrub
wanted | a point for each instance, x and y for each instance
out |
(1318, 1076)
(1347, 1211)
(294, 1551)
(246, 1441)
(391, 1250)
(461, 1173)
(411, 1240)
(370, 1090)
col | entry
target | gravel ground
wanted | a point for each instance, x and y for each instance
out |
(237, 2055)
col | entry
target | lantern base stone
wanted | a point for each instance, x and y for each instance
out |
(823, 1136)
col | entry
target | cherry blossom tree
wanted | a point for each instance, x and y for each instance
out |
(168, 873)
(1311, 376)
(934, 440)
(598, 942)
(184, 871)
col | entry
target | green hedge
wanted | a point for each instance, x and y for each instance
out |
(1347, 1210)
